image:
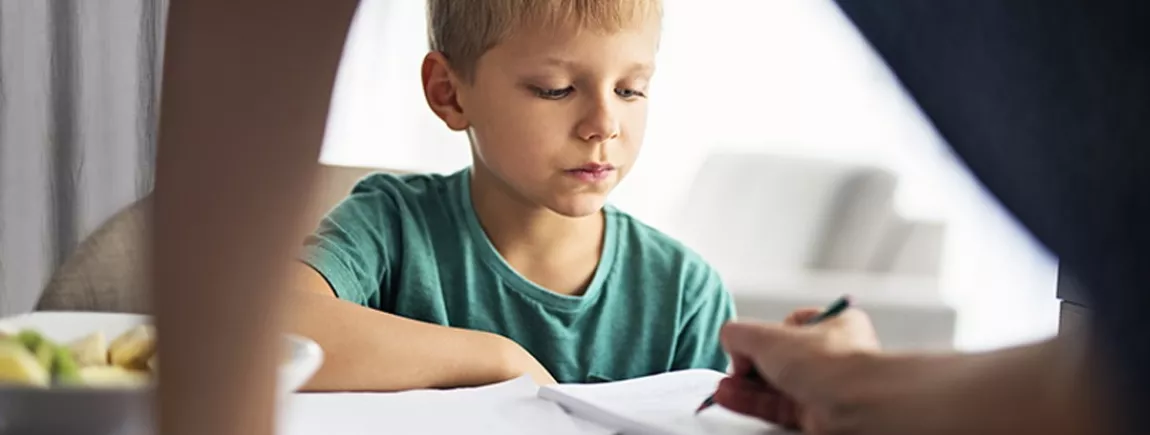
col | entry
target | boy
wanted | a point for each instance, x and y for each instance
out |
(514, 265)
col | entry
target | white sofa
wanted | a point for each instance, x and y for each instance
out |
(786, 233)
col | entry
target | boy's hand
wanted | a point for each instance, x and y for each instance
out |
(805, 366)
(517, 362)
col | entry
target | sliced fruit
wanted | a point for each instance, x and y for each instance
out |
(64, 368)
(19, 366)
(31, 339)
(133, 348)
(113, 376)
(91, 350)
(45, 352)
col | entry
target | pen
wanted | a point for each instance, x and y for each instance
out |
(832, 310)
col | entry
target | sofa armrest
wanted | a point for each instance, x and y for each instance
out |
(906, 311)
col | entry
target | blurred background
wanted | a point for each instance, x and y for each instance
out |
(843, 185)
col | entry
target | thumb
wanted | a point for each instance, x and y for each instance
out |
(801, 316)
(774, 349)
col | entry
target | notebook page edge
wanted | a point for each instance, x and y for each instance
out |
(568, 397)
(607, 418)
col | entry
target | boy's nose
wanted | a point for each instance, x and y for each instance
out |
(600, 125)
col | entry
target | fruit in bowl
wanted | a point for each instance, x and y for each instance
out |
(63, 363)
(30, 359)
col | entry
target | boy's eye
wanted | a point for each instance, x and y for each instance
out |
(629, 93)
(553, 94)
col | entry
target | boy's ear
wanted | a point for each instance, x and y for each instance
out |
(441, 89)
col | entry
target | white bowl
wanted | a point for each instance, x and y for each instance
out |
(109, 411)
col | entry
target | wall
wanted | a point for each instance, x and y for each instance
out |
(787, 77)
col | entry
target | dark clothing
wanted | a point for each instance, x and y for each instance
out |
(1048, 103)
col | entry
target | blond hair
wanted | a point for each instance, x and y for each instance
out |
(465, 29)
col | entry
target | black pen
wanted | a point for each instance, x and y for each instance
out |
(832, 310)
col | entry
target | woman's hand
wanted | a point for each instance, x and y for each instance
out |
(831, 378)
(806, 366)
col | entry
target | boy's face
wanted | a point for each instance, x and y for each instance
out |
(558, 116)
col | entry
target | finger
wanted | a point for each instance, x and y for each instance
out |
(850, 318)
(748, 398)
(741, 366)
(773, 348)
(788, 413)
(742, 339)
(800, 416)
(801, 316)
(854, 323)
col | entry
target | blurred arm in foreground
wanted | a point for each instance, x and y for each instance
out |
(246, 90)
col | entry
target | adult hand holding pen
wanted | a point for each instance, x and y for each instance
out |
(799, 359)
(832, 378)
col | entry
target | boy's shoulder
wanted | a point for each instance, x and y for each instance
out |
(407, 184)
(658, 252)
(382, 197)
(648, 237)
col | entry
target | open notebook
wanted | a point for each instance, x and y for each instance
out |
(507, 408)
(662, 404)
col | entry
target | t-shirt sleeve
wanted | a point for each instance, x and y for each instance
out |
(351, 246)
(708, 308)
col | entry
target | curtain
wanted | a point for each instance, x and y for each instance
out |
(79, 84)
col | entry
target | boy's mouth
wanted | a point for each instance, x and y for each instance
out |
(592, 172)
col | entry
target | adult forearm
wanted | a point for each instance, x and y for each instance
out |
(1042, 388)
(368, 350)
(245, 94)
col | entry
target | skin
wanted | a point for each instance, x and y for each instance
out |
(220, 256)
(242, 120)
(538, 104)
(832, 378)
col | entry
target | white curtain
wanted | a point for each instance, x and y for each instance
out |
(78, 98)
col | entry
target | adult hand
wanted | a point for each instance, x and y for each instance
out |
(804, 367)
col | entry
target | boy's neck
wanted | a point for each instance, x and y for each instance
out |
(516, 226)
(553, 251)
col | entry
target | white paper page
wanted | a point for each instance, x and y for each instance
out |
(511, 407)
(589, 427)
(657, 405)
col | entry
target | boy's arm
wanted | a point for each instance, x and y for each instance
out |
(370, 350)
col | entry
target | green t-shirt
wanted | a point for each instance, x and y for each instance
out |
(412, 246)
